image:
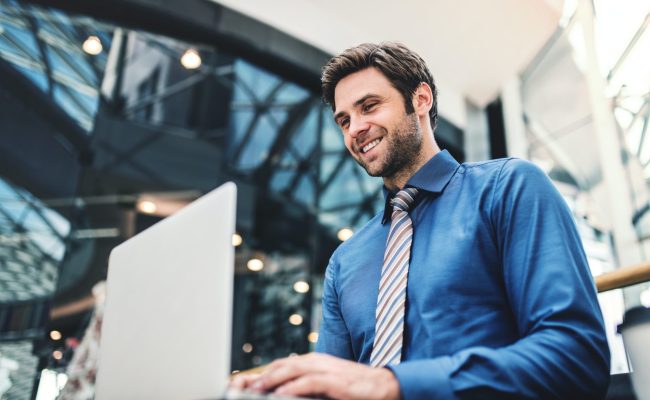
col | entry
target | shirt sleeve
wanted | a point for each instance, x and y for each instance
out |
(562, 352)
(334, 337)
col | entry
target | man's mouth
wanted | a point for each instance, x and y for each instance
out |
(370, 146)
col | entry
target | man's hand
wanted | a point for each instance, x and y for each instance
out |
(322, 375)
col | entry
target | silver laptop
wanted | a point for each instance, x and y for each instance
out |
(166, 332)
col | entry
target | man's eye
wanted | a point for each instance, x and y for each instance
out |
(369, 107)
(343, 122)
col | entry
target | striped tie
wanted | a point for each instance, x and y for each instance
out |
(391, 299)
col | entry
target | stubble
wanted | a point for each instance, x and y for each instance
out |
(403, 146)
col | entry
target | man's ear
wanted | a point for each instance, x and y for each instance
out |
(423, 99)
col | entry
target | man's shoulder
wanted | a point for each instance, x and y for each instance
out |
(362, 238)
(497, 179)
(507, 179)
(501, 167)
(487, 165)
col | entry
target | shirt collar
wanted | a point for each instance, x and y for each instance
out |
(433, 177)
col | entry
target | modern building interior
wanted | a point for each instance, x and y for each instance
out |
(116, 114)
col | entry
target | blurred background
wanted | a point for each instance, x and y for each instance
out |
(114, 114)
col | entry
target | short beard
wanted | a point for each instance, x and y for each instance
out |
(404, 144)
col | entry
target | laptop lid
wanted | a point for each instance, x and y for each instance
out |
(167, 324)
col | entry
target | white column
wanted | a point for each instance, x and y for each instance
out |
(477, 135)
(616, 182)
(513, 118)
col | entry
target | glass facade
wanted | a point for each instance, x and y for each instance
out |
(90, 130)
(42, 45)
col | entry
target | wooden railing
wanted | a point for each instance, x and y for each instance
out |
(622, 277)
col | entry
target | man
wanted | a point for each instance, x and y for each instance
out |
(489, 292)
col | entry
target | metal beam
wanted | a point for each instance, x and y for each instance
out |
(629, 48)
(294, 119)
(33, 26)
(126, 157)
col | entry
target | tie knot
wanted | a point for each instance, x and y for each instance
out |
(404, 199)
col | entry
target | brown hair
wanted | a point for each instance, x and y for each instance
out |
(402, 67)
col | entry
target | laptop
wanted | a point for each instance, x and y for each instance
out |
(167, 325)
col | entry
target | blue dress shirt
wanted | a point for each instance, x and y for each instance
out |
(500, 300)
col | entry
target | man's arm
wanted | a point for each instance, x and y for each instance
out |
(334, 337)
(562, 351)
(323, 375)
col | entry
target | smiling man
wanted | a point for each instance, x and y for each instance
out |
(472, 282)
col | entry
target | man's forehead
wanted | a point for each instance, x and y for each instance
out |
(358, 86)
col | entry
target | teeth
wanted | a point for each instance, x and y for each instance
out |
(370, 145)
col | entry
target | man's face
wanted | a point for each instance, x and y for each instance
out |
(379, 134)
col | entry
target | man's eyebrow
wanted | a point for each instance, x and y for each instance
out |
(356, 104)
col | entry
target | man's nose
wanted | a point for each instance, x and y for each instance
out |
(358, 126)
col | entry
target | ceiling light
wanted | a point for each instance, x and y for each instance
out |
(312, 337)
(92, 45)
(255, 264)
(147, 207)
(55, 335)
(191, 59)
(57, 354)
(237, 240)
(247, 347)
(344, 234)
(164, 204)
(301, 287)
(295, 319)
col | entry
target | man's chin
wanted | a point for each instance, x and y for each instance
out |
(373, 171)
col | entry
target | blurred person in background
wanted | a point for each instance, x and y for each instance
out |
(82, 370)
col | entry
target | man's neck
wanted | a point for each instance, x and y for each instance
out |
(399, 180)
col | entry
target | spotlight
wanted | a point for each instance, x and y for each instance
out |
(191, 59)
(301, 287)
(312, 337)
(344, 234)
(92, 45)
(295, 319)
(147, 207)
(237, 240)
(55, 335)
(255, 264)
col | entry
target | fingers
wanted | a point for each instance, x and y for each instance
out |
(321, 385)
(243, 381)
(312, 374)
(279, 372)
(287, 369)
